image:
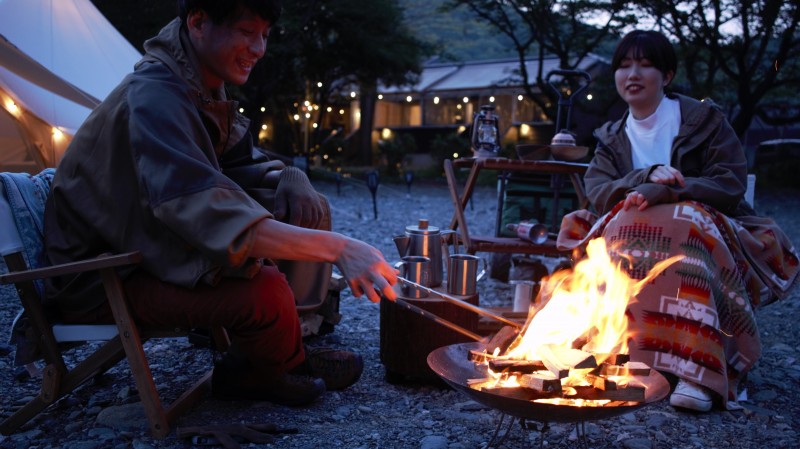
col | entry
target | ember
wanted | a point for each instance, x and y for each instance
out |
(573, 348)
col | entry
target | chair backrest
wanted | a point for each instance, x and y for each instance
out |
(22, 221)
(10, 242)
(10, 239)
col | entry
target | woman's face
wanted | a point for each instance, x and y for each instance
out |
(640, 84)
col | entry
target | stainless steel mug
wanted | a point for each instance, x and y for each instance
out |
(462, 274)
(416, 269)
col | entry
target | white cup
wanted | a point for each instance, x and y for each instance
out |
(522, 295)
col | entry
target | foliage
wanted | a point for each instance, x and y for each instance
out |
(741, 54)
(322, 50)
(547, 28)
(394, 150)
(444, 145)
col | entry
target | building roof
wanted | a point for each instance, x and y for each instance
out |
(463, 77)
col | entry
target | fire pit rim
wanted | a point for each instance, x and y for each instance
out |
(452, 365)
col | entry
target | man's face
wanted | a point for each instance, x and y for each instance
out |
(228, 51)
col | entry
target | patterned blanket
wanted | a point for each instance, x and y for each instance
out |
(695, 320)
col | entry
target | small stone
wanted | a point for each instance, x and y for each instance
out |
(637, 443)
(433, 442)
(127, 416)
(765, 396)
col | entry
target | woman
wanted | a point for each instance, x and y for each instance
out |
(669, 178)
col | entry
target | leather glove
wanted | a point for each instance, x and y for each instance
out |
(230, 435)
(296, 201)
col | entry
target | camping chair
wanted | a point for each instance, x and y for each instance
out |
(122, 339)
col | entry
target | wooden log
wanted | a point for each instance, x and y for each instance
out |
(543, 381)
(560, 360)
(629, 393)
(525, 394)
(613, 359)
(601, 383)
(518, 366)
(628, 369)
(586, 337)
(502, 339)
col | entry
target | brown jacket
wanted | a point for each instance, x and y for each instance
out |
(706, 151)
(157, 168)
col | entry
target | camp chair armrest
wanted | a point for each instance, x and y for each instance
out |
(98, 263)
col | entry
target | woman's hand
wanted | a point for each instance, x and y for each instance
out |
(635, 199)
(365, 270)
(666, 175)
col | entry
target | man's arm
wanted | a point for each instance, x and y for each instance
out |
(363, 266)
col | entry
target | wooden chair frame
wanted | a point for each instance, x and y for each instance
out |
(58, 380)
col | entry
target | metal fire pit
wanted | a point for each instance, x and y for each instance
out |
(452, 364)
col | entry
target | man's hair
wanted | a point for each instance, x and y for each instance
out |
(221, 10)
(651, 45)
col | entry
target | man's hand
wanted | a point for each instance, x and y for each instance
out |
(296, 201)
(365, 270)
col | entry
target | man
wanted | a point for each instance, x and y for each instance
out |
(162, 167)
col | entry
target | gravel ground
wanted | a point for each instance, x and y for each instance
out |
(377, 414)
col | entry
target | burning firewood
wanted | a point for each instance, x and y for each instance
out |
(613, 358)
(628, 394)
(627, 369)
(502, 339)
(560, 360)
(543, 381)
(587, 336)
(516, 366)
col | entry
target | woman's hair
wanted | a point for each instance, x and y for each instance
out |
(651, 45)
(221, 10)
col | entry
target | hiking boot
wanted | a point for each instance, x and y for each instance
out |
(233, 383)
(338, 368)
(691, 396)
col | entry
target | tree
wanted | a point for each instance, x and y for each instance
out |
(550, 28)
(743, 54)
(322, 50)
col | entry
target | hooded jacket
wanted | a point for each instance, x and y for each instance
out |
(706, 151)
(159, 167)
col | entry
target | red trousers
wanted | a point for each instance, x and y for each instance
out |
(259, 314)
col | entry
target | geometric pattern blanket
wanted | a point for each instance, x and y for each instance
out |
(695, 320)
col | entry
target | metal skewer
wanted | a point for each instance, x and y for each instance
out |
(436, 319)
(460, 303)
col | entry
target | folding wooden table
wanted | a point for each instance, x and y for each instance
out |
(484, 243)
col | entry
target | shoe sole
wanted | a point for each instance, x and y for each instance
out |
(689, 402)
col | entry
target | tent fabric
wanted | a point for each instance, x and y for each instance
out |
(22, 65)
(74, 42)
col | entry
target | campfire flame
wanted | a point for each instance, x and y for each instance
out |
(583, 308)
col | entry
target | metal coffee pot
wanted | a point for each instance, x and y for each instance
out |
(424, 240)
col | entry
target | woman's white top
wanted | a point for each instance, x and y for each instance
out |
(651, 138)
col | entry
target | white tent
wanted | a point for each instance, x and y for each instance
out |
(57, 58)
